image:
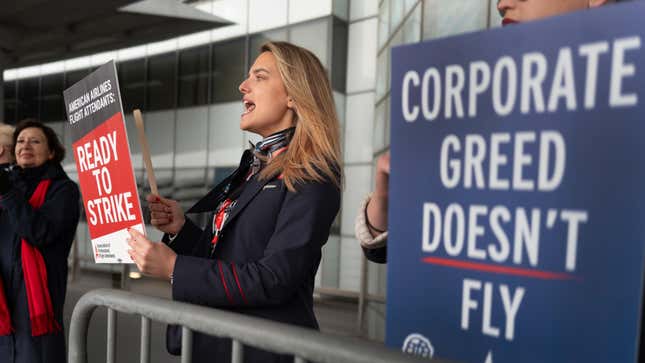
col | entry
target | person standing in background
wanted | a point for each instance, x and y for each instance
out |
(35, 240)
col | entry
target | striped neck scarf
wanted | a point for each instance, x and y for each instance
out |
(271, 146)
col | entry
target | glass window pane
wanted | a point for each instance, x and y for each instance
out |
(191, 138)
(74, 77)
(193, 76)
(10, 102)
(358, 129)
(312, 36)
(307, 10)
(357, 185)
(383, 23)
(132, 83)
(350, 270)
(409, 4)
(229, 68)
(361, 57)
(396, 14)
(161, 138)
(448, 17)
(68, 163)
(258, 39)
(339, 103)
(225, 139)
(363, 9)
(59, 129)
(329, 268)
(382, 73)
(71, 78)
(161, 83)
(51, 97)
(265, 14)
(380, 119)
(28, 90)
(341, 9)
(412, 27)
(233, 10)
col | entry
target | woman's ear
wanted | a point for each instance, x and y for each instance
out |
(291, 103)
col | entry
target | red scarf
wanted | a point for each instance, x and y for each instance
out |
(41, 311)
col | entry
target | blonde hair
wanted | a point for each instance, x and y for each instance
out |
(314, 151)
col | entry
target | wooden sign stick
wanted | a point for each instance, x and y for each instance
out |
(145, 149)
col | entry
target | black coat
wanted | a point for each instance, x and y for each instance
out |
(50, 228)
(378, 255)
(265, 261)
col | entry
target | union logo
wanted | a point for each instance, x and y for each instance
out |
(417, 344)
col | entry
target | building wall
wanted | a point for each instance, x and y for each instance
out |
(187, 87)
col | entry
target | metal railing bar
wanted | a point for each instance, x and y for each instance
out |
(308, 344)
(237, 355)
(145, 340)
(330, 291)
(186, 345)
(111, 336)
(362, 296)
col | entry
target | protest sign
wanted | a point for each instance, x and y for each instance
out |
(517, 209)
(102, 154)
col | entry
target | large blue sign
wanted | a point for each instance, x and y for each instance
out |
(517, 206)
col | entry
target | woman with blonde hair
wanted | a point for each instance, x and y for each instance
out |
(270, 218)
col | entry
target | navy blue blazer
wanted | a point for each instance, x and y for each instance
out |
(264, 263)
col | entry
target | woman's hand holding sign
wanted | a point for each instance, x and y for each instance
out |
(165, 214)
(152, 258)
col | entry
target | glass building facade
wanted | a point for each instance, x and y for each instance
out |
(188, 90)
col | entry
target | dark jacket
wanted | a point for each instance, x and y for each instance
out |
(51, 228)
(264, 263)
(378, 255)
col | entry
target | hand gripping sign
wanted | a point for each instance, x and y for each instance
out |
(105, 174)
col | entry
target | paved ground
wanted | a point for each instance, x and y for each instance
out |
(335, 317)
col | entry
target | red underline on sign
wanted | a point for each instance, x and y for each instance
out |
(505, 270)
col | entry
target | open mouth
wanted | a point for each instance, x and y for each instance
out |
(507, 21)
(248, 107)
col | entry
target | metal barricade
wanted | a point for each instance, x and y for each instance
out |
(304, 344)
